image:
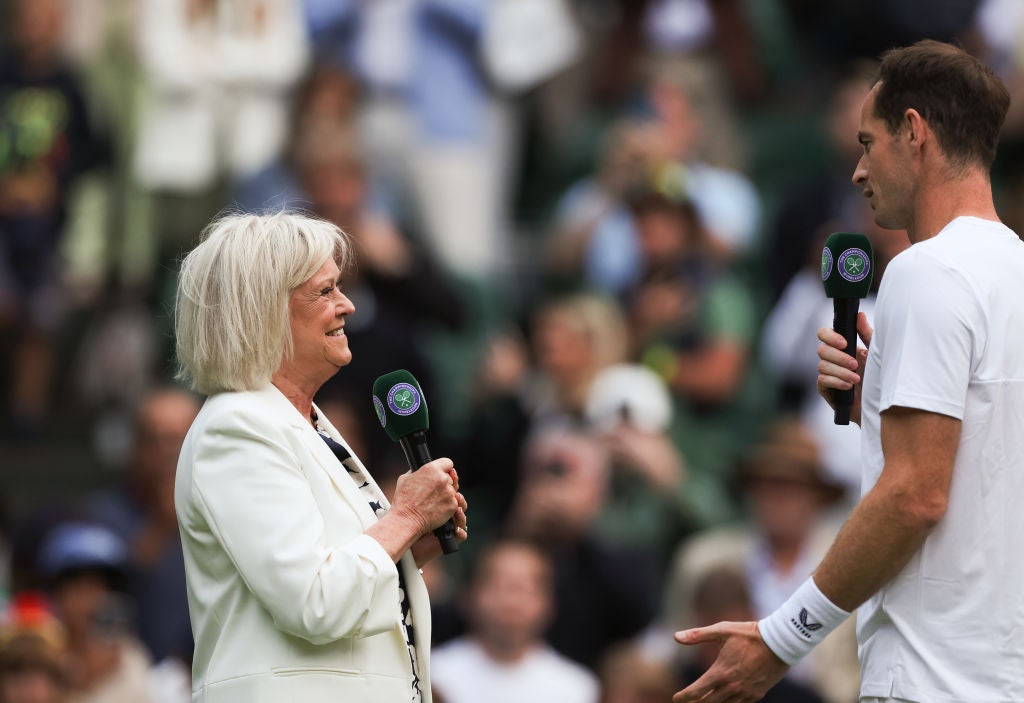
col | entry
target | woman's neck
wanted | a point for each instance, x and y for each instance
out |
(297, 395)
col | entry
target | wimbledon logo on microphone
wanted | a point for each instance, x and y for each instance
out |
(403, 399)
(826, 263)
(854, 265)
(381, 415)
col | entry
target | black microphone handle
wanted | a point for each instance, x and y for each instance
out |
(414, 445)
(844, 321)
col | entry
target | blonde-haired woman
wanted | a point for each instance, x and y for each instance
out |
(303, 581)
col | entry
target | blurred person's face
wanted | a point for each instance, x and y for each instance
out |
(337, 190)
(38, 26)
(884, 171)
(564, 350)
(164, 420)
(564, 488)
(78, 599)
(625, 156)
(29, 687)
(664, 234)
(331, 98)
(675, 109)
(511, 599)
(785, 510)
(317, 311)
(707, 652)
(844, 119)
(636, 680)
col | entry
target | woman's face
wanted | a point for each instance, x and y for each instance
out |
(317, 311)
(563, 349)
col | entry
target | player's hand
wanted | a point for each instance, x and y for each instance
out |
(744, 670)
(838, 369)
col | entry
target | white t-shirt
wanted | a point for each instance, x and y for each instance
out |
(949, 339)
(462, 673)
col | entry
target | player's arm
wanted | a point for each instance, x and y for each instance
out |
(892, 521)
(884, 531)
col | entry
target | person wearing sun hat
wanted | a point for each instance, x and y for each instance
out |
(788, 495)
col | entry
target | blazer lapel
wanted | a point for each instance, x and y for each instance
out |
(322, 454)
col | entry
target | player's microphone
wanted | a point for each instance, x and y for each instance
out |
(402, 411)
(846, 268)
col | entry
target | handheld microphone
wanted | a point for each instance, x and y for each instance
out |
(402, 411)
(847, 265)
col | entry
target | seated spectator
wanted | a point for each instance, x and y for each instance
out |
(721, 594)
(693, 322)
(141, 512)
(785, 539)
(398, 289)
(327, 97)
(85, 568)
(629, 675)
(573, 339)
(690, 319)
(562, 491)
(630, 410)
(595, 238)
(46, 141)
(504, 657)
(687, 122)
(32, 663)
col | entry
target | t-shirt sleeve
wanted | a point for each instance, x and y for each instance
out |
(729, 312)
(929, 326)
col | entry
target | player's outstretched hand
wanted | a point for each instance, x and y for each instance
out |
(744, 670)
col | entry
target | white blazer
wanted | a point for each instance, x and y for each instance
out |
(290, 601)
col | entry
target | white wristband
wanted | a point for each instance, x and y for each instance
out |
(801, 623)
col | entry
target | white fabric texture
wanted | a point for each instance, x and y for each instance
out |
(218, 86)
(289, 599)
(949, 339)
(799, 624)
(463, 673)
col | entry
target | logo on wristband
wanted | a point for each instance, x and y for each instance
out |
(805, 627)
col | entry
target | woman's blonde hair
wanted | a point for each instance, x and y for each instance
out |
(600, 318)
(231, 312)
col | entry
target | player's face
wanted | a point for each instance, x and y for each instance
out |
(883, 172)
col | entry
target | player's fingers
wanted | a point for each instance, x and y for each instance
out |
(695, 692)
(832, 375)
(697, 635)
(827, 352)
(831, 338)
(864, 330)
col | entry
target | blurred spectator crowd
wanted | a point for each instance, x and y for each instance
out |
(592, 230)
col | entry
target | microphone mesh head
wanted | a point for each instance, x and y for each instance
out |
(400, 405)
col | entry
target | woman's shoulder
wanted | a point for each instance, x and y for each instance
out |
(259, 407)
(261, 398)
